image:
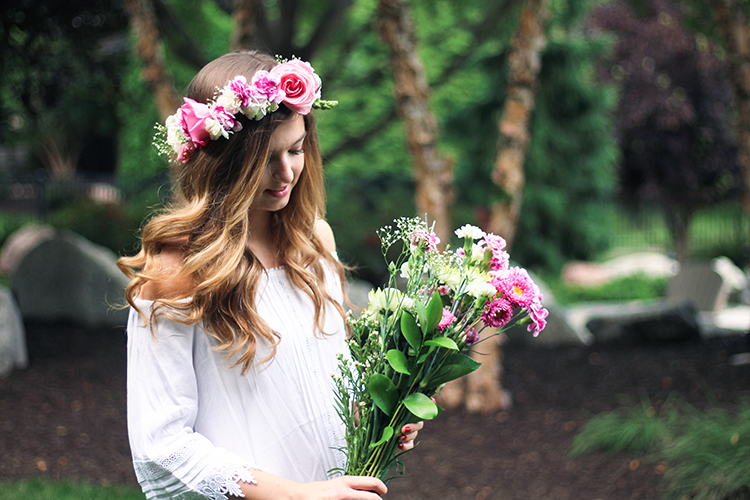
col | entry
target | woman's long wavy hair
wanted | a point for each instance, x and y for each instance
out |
(210, 220)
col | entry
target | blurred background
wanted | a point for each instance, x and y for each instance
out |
(582, 131)
(629, 139)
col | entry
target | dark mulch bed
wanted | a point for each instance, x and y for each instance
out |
(64, 417)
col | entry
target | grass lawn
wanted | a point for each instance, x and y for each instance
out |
(65, 490)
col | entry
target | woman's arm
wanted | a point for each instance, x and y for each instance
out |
(325, 234)
(271, 487)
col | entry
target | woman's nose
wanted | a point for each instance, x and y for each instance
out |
(282, 170)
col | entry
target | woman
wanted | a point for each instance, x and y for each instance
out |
(236, 295)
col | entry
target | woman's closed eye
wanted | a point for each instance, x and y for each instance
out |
(297, 151)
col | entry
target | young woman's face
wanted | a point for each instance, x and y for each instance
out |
(285, 164)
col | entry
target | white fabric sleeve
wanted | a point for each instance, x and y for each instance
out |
(171, 460)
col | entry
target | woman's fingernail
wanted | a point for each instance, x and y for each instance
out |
(406, 429)
(401, 445)
(403, 438)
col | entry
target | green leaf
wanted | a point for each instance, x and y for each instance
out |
(397, 360)
(456, 365)
(434, 312)
(383, 392)
(442, 342)
(421, 406)
(387, 434)
(410, 330)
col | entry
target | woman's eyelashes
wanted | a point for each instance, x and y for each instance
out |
(297, 151)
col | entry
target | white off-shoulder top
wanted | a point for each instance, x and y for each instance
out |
(197, 426)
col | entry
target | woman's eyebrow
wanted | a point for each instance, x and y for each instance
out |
(300, 139)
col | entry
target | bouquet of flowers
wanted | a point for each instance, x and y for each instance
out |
(408, 343)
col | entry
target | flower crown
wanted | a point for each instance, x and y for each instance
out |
(293, 83)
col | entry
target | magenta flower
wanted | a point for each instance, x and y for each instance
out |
(538, 315)
(516, 286)
(471, 337)
(496, 244)
(267, 87)
(186, 151)
(447, 319)
(194, 115)
(430, 239)
(224, 117)
(242, 90)
(497, 313)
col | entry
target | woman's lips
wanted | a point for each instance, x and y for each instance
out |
(280, 193)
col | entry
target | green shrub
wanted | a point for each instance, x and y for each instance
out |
(711, 458)
(631, 430)
(636, 287)
(707, 453)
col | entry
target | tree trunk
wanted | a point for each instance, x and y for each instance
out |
(733, 24)
(524, 64)
(433, 174)
(245, 28)
(149, 49)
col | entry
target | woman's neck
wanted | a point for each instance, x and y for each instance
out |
(261, 241)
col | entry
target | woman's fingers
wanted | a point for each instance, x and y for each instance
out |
(408, 435)
(365, 484)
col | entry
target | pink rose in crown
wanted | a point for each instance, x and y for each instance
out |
(300, 84)
(194, 116)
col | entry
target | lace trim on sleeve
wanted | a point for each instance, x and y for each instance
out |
(161, 477)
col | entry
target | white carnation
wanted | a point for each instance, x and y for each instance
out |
(214, 129)
(450, 277)
(469, 231)
(405, 270)
(229, 101)
(480, 288)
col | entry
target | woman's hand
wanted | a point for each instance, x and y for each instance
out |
(408, 435)
(344, 488)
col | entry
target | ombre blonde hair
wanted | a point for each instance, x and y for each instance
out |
(210, 220)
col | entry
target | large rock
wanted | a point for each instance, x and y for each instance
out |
(67, 278)
(22, 242)
(13, 352)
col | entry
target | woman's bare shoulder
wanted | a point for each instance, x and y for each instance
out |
(170, 258)
(325, 234)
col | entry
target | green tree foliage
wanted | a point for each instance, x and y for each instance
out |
(60, 76)
(569, 169)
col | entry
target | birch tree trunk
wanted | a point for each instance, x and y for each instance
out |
(150, 51)
(245, 28)
(433, 174)
(733, 24)
(524, 64)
